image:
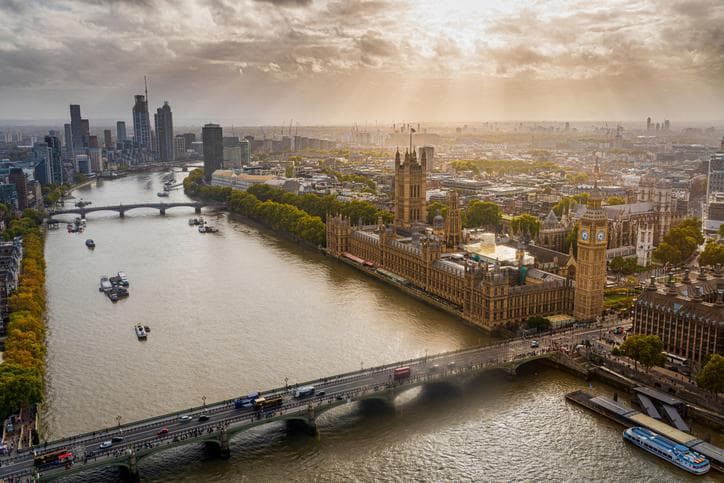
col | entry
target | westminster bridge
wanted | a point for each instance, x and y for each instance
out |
(214, 424)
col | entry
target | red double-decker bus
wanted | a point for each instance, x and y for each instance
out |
(60, 457)
(401, 373)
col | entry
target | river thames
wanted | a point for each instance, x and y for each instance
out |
(243, 310)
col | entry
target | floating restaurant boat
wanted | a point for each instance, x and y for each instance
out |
(675, 453)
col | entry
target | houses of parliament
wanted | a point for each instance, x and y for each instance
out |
(479, 286)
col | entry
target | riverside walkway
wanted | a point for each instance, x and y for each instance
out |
(214, 424)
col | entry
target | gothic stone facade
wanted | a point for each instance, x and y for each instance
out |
(410, 189)
(486, 296)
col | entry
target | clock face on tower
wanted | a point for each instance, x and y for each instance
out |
(600, 235)
(584, 235)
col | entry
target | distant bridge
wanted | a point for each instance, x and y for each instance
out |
(142, 438)
(122, 209)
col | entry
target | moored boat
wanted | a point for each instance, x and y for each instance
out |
(162, 194)
(90, 243)
(124, 279)
(675, 453)
(105, 285)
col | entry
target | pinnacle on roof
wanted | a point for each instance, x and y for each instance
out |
(596, 192)
(551, 219)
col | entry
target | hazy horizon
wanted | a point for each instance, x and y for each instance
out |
(320, 62)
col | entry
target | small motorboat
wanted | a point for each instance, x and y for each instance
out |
(140, 332)
(90, 243)
(162, 194)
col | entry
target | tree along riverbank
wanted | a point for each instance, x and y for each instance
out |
(23, 366)
(300, 215)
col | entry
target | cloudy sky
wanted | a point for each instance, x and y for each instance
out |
(321, 61)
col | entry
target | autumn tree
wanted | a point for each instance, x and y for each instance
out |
(538, 323)
(711, 376)
(713, 254)
(526, 225)
(680, 243)
(644, 349)
(483, 214)
(615, 200)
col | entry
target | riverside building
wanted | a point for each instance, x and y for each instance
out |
(688, 317)
(490, 290)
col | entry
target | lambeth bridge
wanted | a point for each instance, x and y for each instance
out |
(122, 209)
(214, 424)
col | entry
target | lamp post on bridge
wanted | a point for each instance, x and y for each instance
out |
(286, 383)
(118, 420)
(203, 398)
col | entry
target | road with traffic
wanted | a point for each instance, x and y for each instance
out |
(209, 422)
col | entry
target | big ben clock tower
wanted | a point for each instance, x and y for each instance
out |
(591, 258)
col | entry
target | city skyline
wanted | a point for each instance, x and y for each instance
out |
(261, 62)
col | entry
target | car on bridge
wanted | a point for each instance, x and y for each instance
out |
(534, 344)
(105, 444)
(162, 431)
(117, 439)
(204, 417)
(185, 418)
(304, 391)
